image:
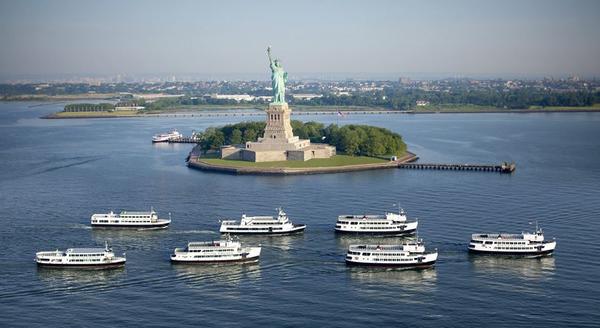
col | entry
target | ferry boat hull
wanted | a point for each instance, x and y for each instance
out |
(241, 260)
(262, 225)
(377, 232)
(157, 140)
(388, 224)
(94, 266)
(548, 252)
(406, 255)
(166, 137)
(252, 255)
(130, 220)
(159, 225)
(421, 265)
(296, 229)
(517, 245)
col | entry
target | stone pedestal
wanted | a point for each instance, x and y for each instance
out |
(278, 142)
(278, 128)
(278, 132)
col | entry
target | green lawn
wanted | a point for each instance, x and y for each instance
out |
(338, 160)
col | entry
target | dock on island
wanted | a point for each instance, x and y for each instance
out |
(184, 139)
(504, 167)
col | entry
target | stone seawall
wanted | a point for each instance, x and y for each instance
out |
(195, 162)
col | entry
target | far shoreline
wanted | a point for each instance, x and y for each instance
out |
(256, 110)
(253, 111)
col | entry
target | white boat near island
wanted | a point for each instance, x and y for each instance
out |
(262, 225)
(390, 223)
(410, 254)
(130, 219)
(225, 250)
(166, 137)
(523, 244)
(82, 258)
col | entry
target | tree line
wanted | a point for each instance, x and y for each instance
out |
(354, 140)
(406, 99)
(402, 99)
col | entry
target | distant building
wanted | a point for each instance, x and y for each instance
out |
(264, 98)
(422, 103)
(156, 96)
(404, 80)
(134, 108)
(125, 96)
(342, 93)
(306, 96)
(237, 98)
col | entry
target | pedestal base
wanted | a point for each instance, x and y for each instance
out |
(278, 142)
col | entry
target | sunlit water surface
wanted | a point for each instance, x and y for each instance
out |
(56, 173)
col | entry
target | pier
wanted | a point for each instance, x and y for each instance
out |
(505, 167)
(193, 139)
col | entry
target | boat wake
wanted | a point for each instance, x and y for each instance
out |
(152, 228)
(209, 232)
(80, 226)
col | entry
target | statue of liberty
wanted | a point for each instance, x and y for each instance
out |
(278, 79)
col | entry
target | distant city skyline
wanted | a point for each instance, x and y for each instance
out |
(214, 40)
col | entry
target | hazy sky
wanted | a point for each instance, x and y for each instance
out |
(494, 38)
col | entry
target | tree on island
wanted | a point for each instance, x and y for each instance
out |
(236, 137)
(354, 140)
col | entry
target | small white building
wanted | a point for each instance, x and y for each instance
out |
(306, 96)
(342, 93)
(264, 98)
(155, 96)
(129, 108)
(422, 103)
(237, 98)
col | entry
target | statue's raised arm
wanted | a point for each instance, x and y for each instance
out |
(278, 79)
(270, 58)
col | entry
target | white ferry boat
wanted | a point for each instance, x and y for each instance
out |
(262, 225)
(128, 219)
(226, 250)
(91, 258)
(166, 137)
(411, 254)
(390, 223)
(524, 244)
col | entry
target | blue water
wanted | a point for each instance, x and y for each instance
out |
(56, 173)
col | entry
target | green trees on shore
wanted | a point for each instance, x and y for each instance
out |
(401, 99)
(213, 138)
(365, 140)
(352, 140)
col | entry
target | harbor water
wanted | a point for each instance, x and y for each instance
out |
(56, 173)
